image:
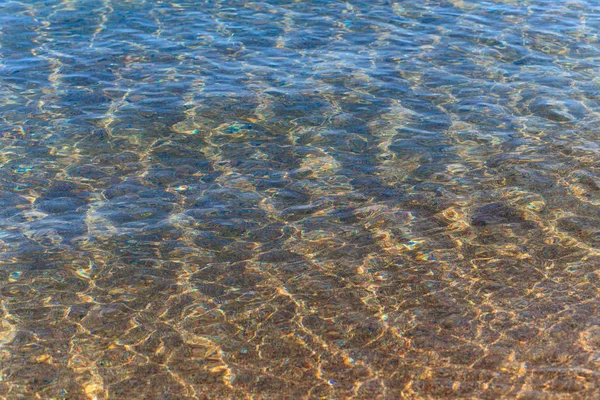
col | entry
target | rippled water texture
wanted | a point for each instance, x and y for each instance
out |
(279, 199)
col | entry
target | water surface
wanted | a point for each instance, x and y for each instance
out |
(281, 199)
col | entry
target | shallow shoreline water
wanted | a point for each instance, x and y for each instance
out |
(269, 200)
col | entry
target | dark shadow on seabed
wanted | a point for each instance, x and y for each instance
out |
(227, 199)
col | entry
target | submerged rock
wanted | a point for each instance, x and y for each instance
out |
(496, 213)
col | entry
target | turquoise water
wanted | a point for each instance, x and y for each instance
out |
(286, 200)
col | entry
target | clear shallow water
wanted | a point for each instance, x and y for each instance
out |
(299, 199)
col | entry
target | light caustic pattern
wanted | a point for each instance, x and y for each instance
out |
(274, 199)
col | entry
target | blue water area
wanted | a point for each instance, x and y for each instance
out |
(299, 199)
